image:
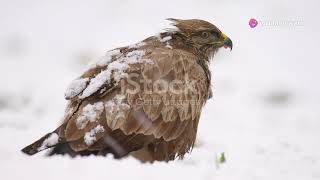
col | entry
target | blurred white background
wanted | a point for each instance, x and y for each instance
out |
(265, 111)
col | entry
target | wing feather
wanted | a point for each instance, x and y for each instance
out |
(157, 113)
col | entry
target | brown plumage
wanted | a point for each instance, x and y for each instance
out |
(143, 100)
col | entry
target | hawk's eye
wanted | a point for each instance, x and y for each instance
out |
(205, 35)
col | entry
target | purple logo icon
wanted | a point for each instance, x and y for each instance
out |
(253, 23)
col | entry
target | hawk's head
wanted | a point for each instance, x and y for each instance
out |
(203, 36)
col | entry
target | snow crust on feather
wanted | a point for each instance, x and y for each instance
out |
(90, 137)
(106, 59)
(90, 113)
(76, 87)
(165, 40)
(50, 141)
(115, 69)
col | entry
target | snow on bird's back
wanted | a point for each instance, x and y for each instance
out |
(115, 69)
(76, 87)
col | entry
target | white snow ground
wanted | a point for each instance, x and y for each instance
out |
(264, 114)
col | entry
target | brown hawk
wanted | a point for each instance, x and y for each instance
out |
(143, 100)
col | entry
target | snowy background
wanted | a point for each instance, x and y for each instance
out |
(265, 113)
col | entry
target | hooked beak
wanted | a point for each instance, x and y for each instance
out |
(227, 43)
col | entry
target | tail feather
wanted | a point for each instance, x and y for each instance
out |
(49, 140)
(64, 148)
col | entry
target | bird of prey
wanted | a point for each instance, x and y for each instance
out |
(142, 100)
